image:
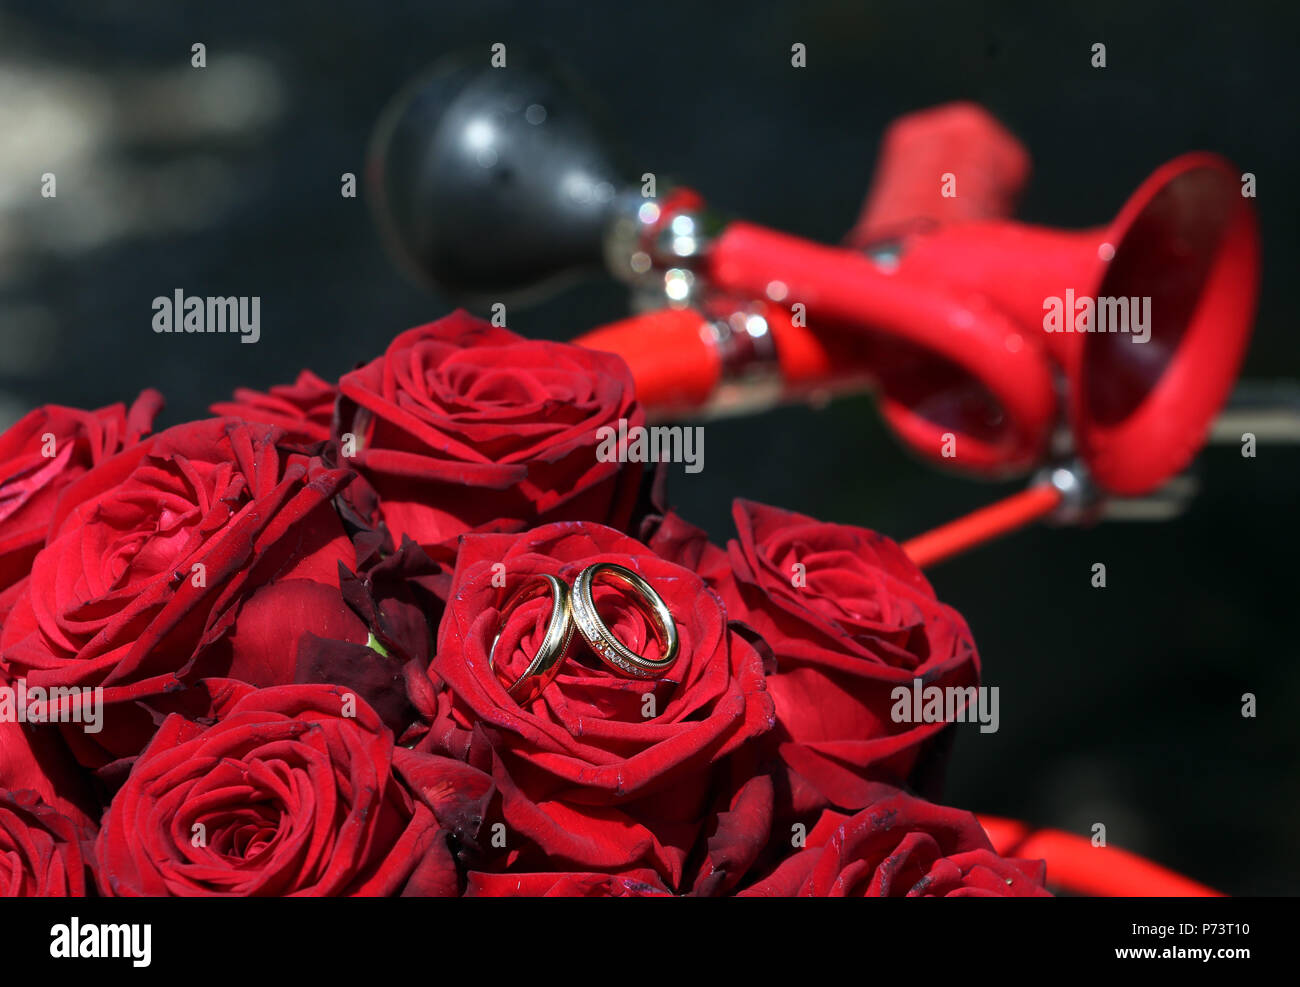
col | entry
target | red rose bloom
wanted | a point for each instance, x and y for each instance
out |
(849, 618)
(40, 455)
(304, 409)
(40, 850)
(600, 772)
(151, 574)
(588, 885)
(290, 793)
(900, 846)
(461, 425)
(33, 757)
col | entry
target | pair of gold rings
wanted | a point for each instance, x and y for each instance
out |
(576, 611)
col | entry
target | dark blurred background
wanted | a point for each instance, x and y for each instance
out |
(1119, 705)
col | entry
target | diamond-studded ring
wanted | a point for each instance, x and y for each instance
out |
(609, 649)
(541, 671)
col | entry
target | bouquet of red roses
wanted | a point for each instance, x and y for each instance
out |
(411, 634)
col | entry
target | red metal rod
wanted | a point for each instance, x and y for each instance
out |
(1075, 865)
(982, 525)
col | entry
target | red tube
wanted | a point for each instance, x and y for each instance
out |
(1075, 865)
(678, 371)
(674, 368)
(846, 291)
(983, 525)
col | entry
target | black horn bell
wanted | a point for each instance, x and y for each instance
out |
(493, 183)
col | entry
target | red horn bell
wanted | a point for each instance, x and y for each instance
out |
(1188, 240)
(918, 149)
(960, 315)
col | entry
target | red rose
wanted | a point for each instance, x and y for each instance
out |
(34, 757)
(204, 550)
(304, 409)
(604, 773)
(461, 425)
(900, 846)
(40, 850)
(849, 618)
(292, 792)
(582, 885)
(40, 455)
(397, 611)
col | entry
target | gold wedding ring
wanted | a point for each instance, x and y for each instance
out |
(609, 649)
(541, 671)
